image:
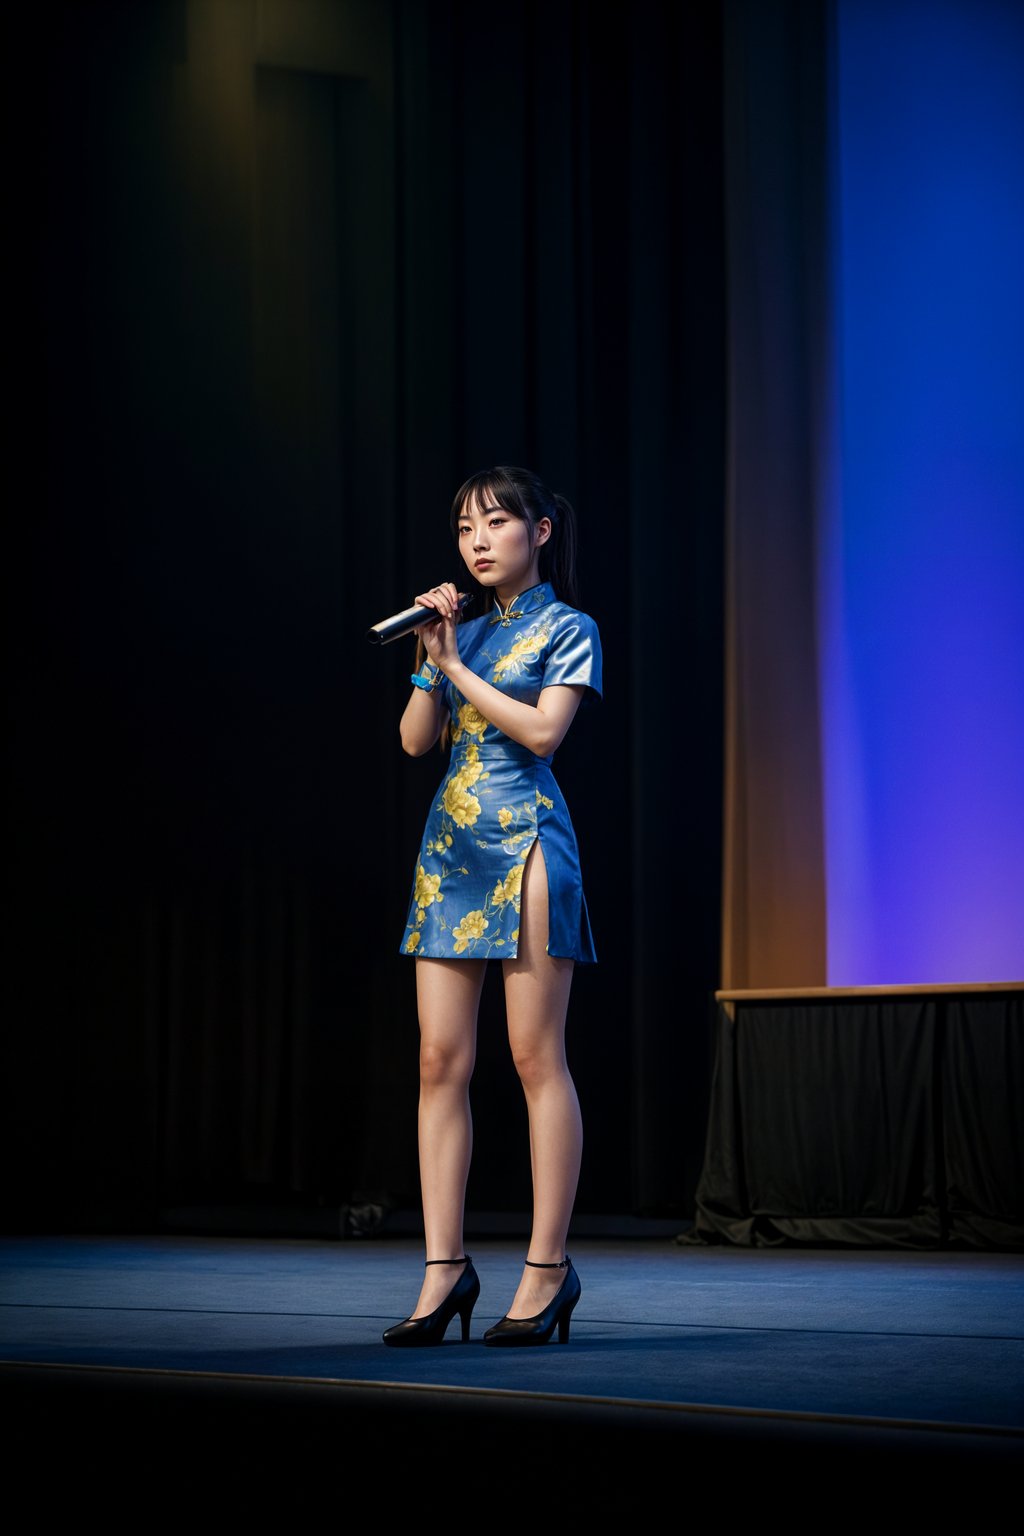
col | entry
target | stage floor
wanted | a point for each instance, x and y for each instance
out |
(901, 1343)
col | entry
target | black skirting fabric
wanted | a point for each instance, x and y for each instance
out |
(883, 1123)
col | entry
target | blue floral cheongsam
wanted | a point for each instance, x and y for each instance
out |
(498, 797)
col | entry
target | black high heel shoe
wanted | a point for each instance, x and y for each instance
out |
(538, 1330)
(462, 1297)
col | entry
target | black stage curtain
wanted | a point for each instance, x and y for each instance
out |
(887, 1123)
(300, 269)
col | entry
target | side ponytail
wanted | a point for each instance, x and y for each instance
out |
(560, 565)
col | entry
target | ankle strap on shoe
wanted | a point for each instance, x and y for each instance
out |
(464, 1260)
(564, 1264)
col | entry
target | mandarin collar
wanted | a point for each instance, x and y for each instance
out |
(523, 602)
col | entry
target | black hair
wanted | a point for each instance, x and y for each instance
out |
(522, 494)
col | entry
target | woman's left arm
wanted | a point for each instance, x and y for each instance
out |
(541, 727)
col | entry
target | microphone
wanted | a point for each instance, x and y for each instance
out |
(405, 622)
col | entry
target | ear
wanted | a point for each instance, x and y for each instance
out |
(541, 531)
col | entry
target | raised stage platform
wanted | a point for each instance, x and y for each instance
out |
(211, 1349)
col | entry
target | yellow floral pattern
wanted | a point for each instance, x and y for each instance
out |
(509, 889)
(460, 808)
(468, 722)
(522, 651)
(428, 888)
(472, 927)
(438, 844)
(481, 930)
(463, 808)
(519, 826)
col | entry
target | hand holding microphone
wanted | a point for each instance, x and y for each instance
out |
(439, 638)
(439, 603)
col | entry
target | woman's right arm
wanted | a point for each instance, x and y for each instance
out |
(421, 723)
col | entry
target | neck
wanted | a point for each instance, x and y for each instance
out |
(505, 593)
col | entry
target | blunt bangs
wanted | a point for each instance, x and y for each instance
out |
(494, 484)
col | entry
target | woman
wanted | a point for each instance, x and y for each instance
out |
(498, 877)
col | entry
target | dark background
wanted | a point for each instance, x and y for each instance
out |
(299, 269)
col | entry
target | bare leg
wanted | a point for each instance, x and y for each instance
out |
(536, 999)
(448, 997)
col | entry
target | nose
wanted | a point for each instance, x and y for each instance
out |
(480, 539)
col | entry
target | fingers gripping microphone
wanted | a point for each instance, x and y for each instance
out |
(405, 622)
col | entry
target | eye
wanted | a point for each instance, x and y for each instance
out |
(496, 522)
(465, 528)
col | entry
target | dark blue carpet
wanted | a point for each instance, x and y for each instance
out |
(878, 1335)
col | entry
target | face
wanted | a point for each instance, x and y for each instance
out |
(502, 551)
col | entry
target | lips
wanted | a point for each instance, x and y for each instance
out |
(482, 565)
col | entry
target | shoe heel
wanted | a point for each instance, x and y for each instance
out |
(468, 1303)
(462, 1298)
(557, 1314)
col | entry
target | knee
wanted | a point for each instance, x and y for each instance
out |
(442, 1067)
(537, 1065)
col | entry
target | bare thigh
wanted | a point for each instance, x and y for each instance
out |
(537, 984)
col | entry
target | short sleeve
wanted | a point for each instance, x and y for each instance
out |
(574, 655)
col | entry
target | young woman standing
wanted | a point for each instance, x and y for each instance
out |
(498, 877)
